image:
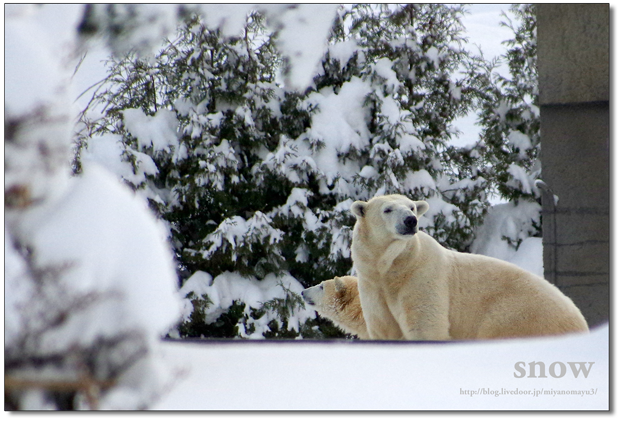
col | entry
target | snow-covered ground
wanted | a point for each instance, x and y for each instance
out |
(366, 375)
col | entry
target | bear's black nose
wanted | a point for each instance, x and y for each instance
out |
(308, 300)
(410, 222)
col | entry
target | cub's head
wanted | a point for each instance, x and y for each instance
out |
(331, 297)
(389, 216)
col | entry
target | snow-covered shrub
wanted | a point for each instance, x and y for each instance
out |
(89, 278)
(242, 306)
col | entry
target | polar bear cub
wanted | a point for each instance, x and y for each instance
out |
(338, 300)
(412, 288)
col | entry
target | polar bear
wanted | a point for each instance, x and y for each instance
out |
(338, 300)
(412, 288)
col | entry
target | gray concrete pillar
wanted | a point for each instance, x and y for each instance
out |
(573, 66)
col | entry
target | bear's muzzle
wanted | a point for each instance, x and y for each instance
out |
(411, 223)
(306, 299)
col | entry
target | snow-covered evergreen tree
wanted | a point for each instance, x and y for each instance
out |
(510, 139)
(204, 117)
(255, 182)
(412, 78)
(510, 114)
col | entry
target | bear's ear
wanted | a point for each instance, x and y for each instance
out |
(339, 284)
(359, 208)
(421, 207)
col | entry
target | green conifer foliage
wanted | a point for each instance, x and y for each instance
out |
(510, 118)
(418, 79)
(255, 181)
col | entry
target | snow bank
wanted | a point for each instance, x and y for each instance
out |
(529, 256)
(506, 227)
(365, 375)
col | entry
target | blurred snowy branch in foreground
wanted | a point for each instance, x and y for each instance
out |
(90, 281)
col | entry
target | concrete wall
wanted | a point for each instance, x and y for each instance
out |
(573, 65)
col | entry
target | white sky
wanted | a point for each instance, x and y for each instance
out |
(484, 30)
(483, 27)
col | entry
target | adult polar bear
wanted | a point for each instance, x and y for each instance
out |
(412, 288)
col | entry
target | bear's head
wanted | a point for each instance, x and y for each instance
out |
(331, 296)
(389, 216)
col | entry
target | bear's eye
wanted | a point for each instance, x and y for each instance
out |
(321, 287)
(388, 210)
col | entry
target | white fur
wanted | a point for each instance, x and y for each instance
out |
(411, 287)
(338, 300)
